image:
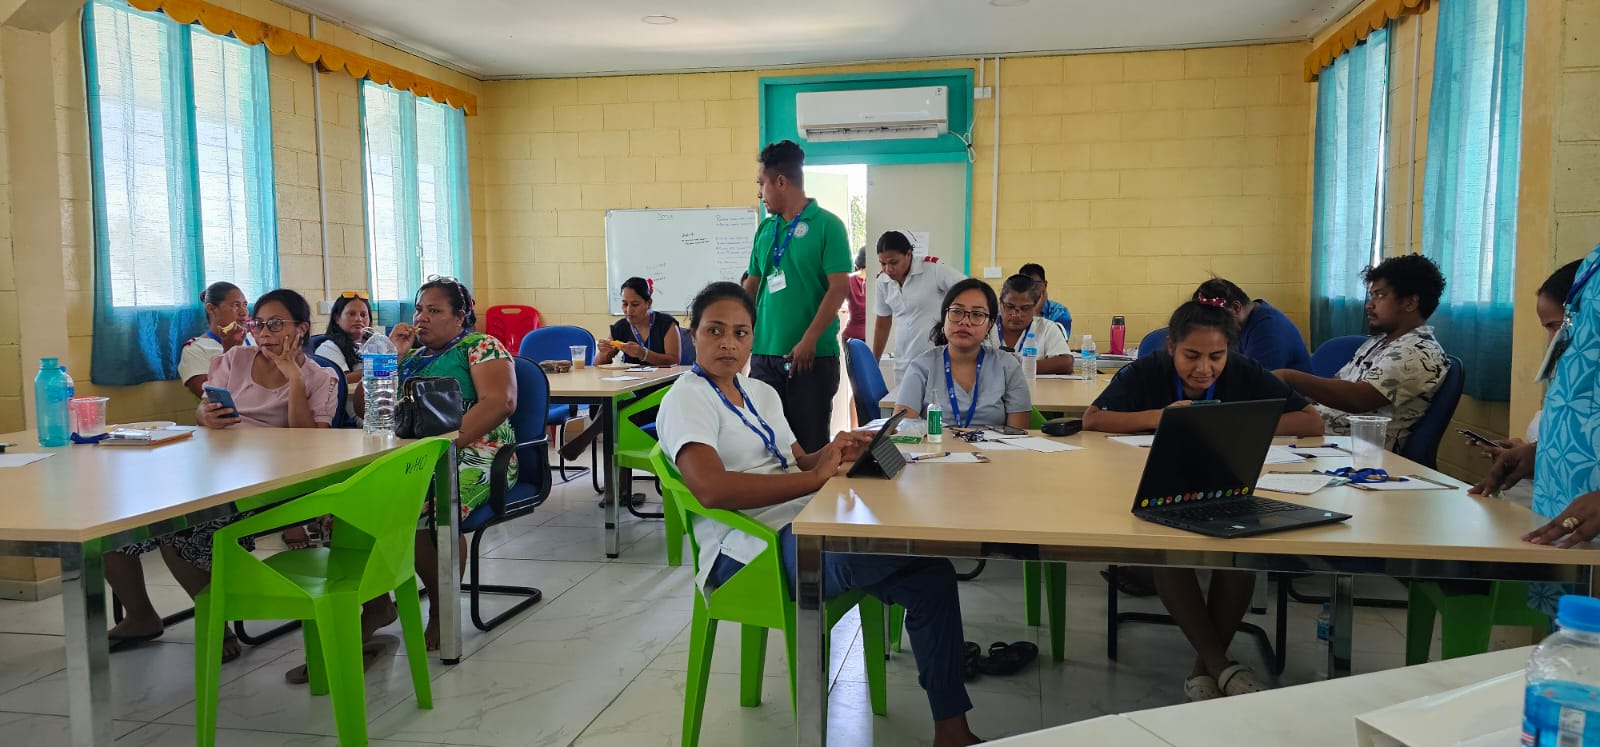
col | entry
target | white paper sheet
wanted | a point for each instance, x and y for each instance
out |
(1044, 445)
(1282, 455)
(1064, 377)
(1294, 483)
(623, 378)
(1000, 446)
(1320, 452)
(1144, 440)
(22, 460)
(1412, 483)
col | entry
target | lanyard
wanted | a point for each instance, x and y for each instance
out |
(419, 362)
(1021, 336)
(765, 433)
(213, 335)
(950, 389)
(1572, 295)
(644, 340)
(779, 250)
(1177, 385)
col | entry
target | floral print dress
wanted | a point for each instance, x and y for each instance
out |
(473, 461)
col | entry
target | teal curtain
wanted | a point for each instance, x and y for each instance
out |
(1347, 196)
(1469, 200)
(181, 160)
(418, 212)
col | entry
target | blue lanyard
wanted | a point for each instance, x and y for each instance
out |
(419, 362)
(765, 432)
(1572, 295)
(1177, 385)
(644, 340)
(214, 336)
(950, 389)
(778, 250)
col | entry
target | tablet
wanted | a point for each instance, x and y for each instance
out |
(882, 457)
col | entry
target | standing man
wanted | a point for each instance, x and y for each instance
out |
(799, 275)
(1049, 309)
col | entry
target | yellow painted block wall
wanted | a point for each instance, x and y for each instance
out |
(11, 407)
(1132, 177)
(295, 176)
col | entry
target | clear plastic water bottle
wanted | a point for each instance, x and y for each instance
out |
(52, 389)
(1030, 356)
(1562, 706)
(1324, 622)
(380, 375)
(1088, 358)
(935, 423)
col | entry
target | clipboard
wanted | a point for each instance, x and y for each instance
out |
(882, 457)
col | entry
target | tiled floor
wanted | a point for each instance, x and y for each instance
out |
(601, 662)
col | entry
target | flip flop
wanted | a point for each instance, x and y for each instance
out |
(974, 656)
(125, 642)
(370, 651)
(1008, 658)
(1201, 687)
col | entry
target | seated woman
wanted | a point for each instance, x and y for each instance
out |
(727, 434)
(273, 385)
(641, 335)
(227, 315)
(442, 341)
(952, 374)
(348, 323)
(1197, 366)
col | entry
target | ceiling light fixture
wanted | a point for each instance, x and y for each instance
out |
(666, 20)
(1007, 3)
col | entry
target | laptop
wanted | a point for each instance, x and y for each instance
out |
(1202, 471)
(882, 457)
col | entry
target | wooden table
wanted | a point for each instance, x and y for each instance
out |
(1075, 506)
(1066, 396)
(588, 386)
(86, 500)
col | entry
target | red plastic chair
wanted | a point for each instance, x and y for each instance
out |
(508, 323)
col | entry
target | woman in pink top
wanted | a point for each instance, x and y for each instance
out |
(274, 385)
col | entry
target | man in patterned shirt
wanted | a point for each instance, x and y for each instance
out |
(1395, 373)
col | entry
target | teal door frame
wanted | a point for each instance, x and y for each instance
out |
(775, 100)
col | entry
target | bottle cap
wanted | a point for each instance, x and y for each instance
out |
(376, 329)
(47, 364)
(1579, 612)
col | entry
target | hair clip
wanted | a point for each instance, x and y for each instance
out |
(1218, 302)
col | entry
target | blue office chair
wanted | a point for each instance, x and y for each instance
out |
(341, 417)
(866, 380)
(520, 498)
(1331, 356)
(555, 343)
(1422, 446)
(1156, 340)
(314, 342)
(685, 347)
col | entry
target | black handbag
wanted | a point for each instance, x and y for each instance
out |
(428, 406)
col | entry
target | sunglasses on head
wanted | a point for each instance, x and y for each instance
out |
(355, 294)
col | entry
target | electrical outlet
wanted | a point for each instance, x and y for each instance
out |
(982, 92)
(992, 273)
(325, 307)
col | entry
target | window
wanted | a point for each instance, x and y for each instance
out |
(1347, 225)
(182, 167)
(1469, 199)
(418, 224)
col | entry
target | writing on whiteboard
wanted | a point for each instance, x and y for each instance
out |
(679, 250)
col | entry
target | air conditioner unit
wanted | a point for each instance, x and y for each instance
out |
(873, 114)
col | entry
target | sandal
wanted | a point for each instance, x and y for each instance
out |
(1008, 658)
(1201, 687)
(370, 651)
(974, 656)
(1239, 680)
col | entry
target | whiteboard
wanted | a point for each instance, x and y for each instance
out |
(679, 250)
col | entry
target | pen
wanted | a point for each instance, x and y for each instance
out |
(1320, 446)
(921, 457)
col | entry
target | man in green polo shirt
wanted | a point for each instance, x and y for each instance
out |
(799, 275)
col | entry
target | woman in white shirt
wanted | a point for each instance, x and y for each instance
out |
(727, 434)
(227, 313)
(1019, 306)
(348, 324)
(908, 294)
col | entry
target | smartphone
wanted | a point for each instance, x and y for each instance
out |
(1477, 438)
(1006, 430)
(222, 397)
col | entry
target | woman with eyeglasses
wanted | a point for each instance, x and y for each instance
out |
(348, 326)
(975, 383)
(274, 385)
(227, 311)
(642, 335)
(442, 341)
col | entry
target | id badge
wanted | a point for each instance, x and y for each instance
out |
(1552, 354)
(776, 281)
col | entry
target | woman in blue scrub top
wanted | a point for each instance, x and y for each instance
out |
(1197, 366)
(1266, 336)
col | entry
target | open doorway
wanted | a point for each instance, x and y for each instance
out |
(842, 190)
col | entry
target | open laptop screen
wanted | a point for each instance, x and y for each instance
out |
(1204, 452)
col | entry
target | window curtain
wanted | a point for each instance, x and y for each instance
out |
(182, 184)
(1347, 201)
(1469, 203)
(418, 214)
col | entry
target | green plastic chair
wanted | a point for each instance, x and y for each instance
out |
(757, 597)
(634, 445)
(370, 554)
(1467, 618)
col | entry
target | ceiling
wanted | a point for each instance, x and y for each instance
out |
(550, 38)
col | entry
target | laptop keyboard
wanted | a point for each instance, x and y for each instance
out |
(1210, 511)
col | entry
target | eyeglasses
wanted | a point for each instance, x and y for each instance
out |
(355, 294)
(975, 316)
(271, 325)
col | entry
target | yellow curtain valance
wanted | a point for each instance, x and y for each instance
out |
(281, 41)
(1355, 31)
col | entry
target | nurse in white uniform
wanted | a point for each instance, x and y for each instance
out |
(909, 292)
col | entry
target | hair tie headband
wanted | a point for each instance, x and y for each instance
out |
(1219, 302)
(650, 285)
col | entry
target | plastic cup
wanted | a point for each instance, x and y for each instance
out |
(1367, 436)
(88, 415)
(579, 353)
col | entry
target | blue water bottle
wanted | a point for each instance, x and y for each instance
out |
(1562, 705)
(52, 389)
